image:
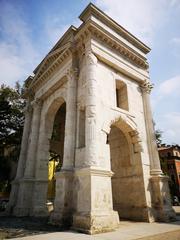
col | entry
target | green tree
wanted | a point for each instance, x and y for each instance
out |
(11, 128)
(158, 134)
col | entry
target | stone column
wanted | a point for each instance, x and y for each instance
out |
(24, 201)
(91, 109)
(24, 143)
(94, 210)
(70, 124)
(159, 189)
(33, 141)
(155, 168)
(39, 197)
(63, 204)
(22, 158)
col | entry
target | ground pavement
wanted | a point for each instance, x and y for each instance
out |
(127, 231)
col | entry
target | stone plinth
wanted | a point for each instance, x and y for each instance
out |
(94, 212)
(161, 200)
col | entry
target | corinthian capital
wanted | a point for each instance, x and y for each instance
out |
(37, 103)
(72, 72)
(146, 86)
(28, 107)
(91, 58)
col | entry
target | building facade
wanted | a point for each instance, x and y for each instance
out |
(170, 164)
(90, 97)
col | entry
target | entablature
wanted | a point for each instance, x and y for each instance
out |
(92, 30)
(57, 62)
(92, 11)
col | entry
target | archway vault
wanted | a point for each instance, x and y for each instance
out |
(129, 128)
(125, 160)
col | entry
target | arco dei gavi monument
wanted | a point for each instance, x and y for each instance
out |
(89, 101)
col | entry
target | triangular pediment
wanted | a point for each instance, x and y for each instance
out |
(51, 58)
(61, 46)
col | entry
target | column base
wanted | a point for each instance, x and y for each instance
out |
(161, 200)
(93, 223)
(39, 199)
(21, 211)
(63, 204)
(94, 211)
(62, 219)
(13, 197)
(39, 212)
(23, 205)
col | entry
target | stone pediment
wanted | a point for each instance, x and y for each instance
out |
(60, 47)
(50, 59)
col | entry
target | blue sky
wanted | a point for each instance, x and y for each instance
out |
(29, 29)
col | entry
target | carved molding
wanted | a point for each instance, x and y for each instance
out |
(37, 103)
(124, 119)
(95, 171)
(110, 40)
(136, 141)
(90, 57)
(72, 72)
(38, 81)
(28, 108)
(146, 86)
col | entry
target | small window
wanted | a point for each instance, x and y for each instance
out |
(121, 95)
(81, 140)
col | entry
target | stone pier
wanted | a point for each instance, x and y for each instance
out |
(88, 103)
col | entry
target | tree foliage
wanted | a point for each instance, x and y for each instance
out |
(158, 134)
(11, 127)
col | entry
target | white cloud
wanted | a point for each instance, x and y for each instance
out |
(175, 3)
(166, 102)
(170, 126)
(176, 40)
(165, 93)
(54, 27)
(142, 17)
(170, 86)
(17, 52)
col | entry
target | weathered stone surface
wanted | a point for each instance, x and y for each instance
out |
(110, 165)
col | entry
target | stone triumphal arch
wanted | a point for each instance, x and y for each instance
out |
(89, 102)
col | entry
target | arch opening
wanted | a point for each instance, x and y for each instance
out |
(56, 148)
(127, 182)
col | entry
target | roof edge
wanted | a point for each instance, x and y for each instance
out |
(91, 9)
(72, 28)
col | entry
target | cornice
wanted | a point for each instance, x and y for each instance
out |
(39, 80)
(68, 36)
(50, 58)
(93, 29)
(92, 10)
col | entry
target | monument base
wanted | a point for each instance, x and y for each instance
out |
(93, 223)
(161, 200)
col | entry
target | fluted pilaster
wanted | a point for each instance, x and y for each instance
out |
(155, 168)
(33, 140)
(91, 109)
(70, 124)
(24, 142)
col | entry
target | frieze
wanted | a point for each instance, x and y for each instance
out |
(114, 43)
